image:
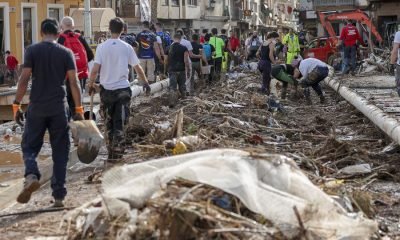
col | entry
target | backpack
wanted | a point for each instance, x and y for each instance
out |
(129, 39)
(146, 40)
(226, 41)
(72, 42)
(207, 51)
(166, 41)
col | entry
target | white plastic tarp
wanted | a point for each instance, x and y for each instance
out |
(271, 185)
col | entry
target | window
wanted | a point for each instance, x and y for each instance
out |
(313, 44)
(27, 23)
(175, 2)
(192, 2)
(55, 11)
(164, 2)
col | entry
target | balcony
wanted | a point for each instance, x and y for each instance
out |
(331, 3)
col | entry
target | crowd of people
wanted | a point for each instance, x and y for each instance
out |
(59, 69)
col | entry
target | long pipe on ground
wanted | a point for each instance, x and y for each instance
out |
(386, 123)
(136, 92)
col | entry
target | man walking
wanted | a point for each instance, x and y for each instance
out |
(196, 62)
(164, 40)
(349, 37)
(111, 62)
(189, 47)
(291, 40)
(148, 49)
(82, 53)
(234, 44)
(178, 66)
(12, 65)
(219, 46)
(395, 59)
(48, 63)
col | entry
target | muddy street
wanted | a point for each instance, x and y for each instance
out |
(335, 145)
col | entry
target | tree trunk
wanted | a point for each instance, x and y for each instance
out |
(153, 6)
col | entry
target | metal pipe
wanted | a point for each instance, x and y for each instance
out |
(136, 92)
(386, 123)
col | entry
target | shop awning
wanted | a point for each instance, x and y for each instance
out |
(100, 18)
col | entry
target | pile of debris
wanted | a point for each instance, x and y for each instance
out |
(214, 194)
(232, 194)
(378, 62)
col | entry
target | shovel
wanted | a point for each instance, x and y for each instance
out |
(88, 136)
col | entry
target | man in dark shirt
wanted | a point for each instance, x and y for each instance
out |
(67, 25)
(196, 62)
(48, 63)
(178, 65)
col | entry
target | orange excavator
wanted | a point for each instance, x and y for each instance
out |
(356, 15)
(325, 48)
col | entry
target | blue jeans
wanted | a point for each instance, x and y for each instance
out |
(350, 53)
(40, 118)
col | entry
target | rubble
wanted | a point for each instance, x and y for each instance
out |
(245, 195)
(376, 62)
(320, 145)
(321, 140)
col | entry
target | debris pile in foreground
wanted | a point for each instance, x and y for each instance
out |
(225, 194)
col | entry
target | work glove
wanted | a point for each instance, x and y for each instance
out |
(146, 88)
(18, 114)
(78, 114)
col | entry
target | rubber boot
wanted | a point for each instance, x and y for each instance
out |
(284, 92)
(322, 99)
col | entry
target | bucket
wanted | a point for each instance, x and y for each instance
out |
(206, 69)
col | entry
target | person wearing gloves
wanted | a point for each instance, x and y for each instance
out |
(111, 61)
(311, 71)
(48, 64)
(267, 57)
(284, 73)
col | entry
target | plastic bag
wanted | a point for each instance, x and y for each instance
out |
(271, 185)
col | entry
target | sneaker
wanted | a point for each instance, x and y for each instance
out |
(31, 184)
(58, 203)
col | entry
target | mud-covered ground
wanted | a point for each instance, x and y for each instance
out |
(322, 138)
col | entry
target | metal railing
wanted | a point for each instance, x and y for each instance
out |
(324, 3)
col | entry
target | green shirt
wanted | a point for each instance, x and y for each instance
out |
(218, 44)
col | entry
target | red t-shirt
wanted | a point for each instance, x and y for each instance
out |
(202, 39)
(12, 62)
(234, 43)
(350, 35)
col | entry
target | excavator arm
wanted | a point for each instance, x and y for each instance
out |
(356, 15)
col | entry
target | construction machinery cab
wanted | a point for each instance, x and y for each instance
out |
(390, 30)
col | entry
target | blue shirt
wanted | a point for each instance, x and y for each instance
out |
(146, 41)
